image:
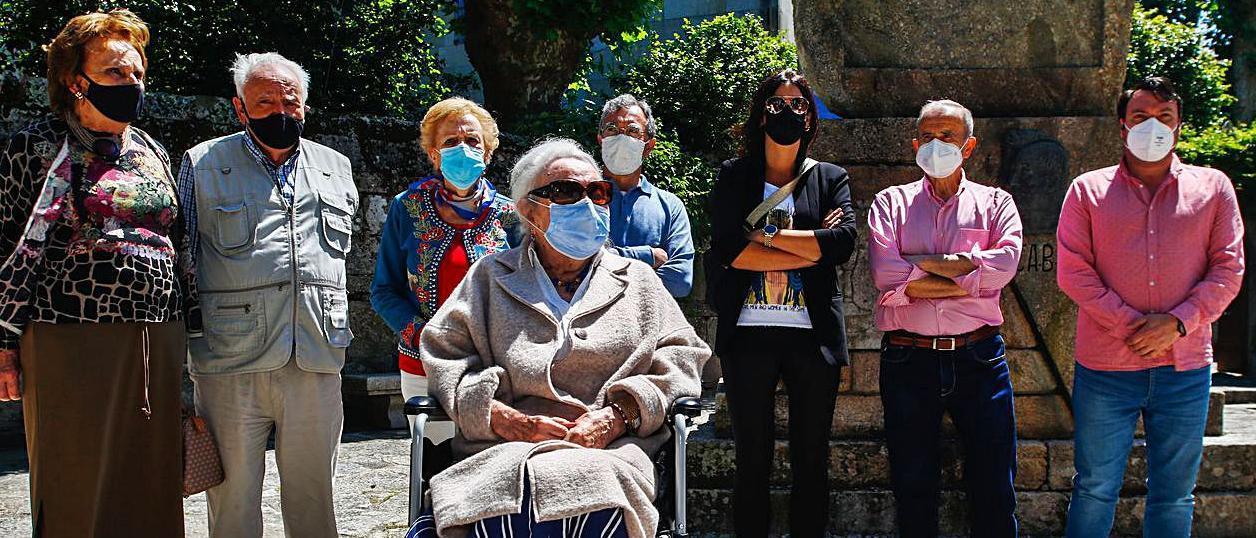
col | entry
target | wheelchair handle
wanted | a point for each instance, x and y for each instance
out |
(426, 405)
(688, 406)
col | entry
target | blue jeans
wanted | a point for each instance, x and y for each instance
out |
(973, 385)
(1106, 407)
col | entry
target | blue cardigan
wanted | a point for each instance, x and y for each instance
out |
(413, 245)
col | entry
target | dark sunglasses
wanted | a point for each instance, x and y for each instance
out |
(777, 104)
(570, 191)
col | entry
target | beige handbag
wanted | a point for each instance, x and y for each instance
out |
(202, 466)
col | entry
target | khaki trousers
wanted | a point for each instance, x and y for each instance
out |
(305, 412)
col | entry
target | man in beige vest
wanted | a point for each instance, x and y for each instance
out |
(269, 219)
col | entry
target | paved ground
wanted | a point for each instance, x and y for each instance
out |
(371, 484)
(371, 488)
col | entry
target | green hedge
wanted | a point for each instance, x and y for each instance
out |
(699, 84)
(1162, 47)
(1231, 149)
(367, 56)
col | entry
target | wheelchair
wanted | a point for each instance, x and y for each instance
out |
(426, 460)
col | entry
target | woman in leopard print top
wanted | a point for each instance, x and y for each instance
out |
(91, 303)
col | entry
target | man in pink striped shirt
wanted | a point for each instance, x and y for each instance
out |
(941, 249)
(1152, 252)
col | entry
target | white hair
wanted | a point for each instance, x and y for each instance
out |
(532, 164)
(245, 65)
(947, 107)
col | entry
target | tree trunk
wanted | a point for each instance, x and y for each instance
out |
(1243, 72)
(522, 70)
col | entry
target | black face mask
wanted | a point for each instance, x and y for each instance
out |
(785, 128)
(276, 131)
(118, 103)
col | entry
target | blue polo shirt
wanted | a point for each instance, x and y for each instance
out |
(647, 217)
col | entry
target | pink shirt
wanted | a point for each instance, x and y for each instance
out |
(1126, 251)
(979, 221)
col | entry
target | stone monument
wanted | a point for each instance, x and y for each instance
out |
(1042, 78)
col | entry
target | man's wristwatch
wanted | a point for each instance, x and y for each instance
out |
(769, 231)
(1181, 328)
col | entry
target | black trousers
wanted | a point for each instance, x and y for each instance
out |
(762, 356)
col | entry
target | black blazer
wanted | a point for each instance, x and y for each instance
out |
(738, 190)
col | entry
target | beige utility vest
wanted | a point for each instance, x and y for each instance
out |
(271, 277)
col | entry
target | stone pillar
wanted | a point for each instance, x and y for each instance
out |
(1042, 80)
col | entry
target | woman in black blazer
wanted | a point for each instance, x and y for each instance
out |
(773, 284)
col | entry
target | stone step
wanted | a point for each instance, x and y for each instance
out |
(373, 401)
(1238, 389)
(863, 505)
(1041, 513)
(1038, 416)
(1228, 465)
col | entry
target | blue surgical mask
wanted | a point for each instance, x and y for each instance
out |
(577, 230)
(461, 165)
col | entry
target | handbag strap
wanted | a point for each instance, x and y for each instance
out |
(770, 202)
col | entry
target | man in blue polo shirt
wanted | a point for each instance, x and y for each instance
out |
(647, 223)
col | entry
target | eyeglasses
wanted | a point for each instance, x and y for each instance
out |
(570, 191)
(632, 130)
(777, 104)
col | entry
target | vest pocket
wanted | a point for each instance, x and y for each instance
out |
(337, 223)
(336, 318)
(233, 227)
(235, 324)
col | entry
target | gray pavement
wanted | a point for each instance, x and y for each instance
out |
(371, 485)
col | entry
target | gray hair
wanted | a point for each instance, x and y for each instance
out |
(947, 107)
(628, 101)
(245, 65)
(530, 166)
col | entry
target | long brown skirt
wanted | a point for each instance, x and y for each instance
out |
(100, 465)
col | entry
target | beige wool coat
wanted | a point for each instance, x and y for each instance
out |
(495, 338)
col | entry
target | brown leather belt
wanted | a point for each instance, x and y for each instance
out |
(941, 343)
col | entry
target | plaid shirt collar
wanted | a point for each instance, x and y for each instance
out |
(281, 174)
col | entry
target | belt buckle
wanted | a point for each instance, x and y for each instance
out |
(936, 340)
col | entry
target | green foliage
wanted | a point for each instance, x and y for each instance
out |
(1231, 149)
(700, 82)
(365, 56)
(699, 85)
(1159, 46)
(1216, 19)
(578, 122)
(619, 20)
(687, 176)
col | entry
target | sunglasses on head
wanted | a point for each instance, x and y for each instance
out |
(777, 104)
(570, 191)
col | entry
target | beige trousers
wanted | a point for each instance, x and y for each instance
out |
(305, 412)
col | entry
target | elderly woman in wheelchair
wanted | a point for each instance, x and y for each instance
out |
(559, 363)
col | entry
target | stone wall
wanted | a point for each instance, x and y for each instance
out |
(1027, 58)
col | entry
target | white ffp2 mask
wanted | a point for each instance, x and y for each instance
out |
(1149, 141)
(939, 159)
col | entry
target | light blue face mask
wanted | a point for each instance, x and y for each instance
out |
(577, 230)
(461, 165)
